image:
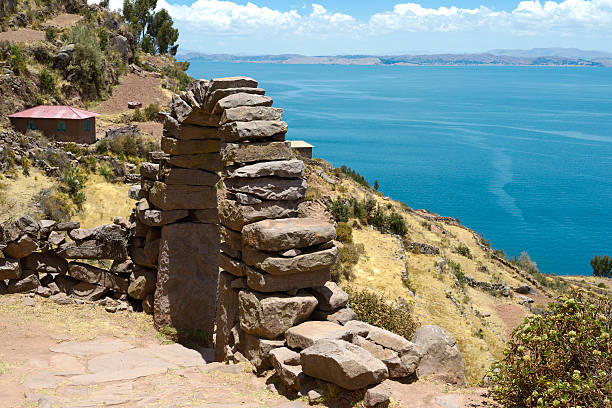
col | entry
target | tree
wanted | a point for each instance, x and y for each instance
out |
(602, 266)
(104, 3)
(376, 185)
(153, 30)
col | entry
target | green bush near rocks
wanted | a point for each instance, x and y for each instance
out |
(344, 233)
(562, 358)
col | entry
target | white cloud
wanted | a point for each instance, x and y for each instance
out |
(587, 18)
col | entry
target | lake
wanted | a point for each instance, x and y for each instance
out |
(522, 155)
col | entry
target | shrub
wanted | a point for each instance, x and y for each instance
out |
(426, 225)
(397, 224)
(56, 205)
(17, 61)
(72, 183)
(500, 253)
(86, 60)
(130, 146)
(463, 250)
(25, 166)
(602, 266)
(340, 210)
(150, 112)
(103, 38)
(601, 285)
(312, 193)
(177, 70)
(348, 256)
(562, 358)
(47, 81)
(344, 232)
(50, 34)
(106, 172)
(373, 308)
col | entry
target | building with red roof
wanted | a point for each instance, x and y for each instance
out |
(61, 123)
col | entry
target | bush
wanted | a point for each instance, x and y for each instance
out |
(602, 266)
(56, 205)
(17, 61)
(106, 172)
(50, 34)
(348, 256)
(103, 38)
(87, 60)
(47, 81)
(73, 181)
(25, 166)
(463, 250)
(562, 358)
(130, 146)
(397, 224)
(344, 233)
(340, 210)
(177, 70)
(373, 308)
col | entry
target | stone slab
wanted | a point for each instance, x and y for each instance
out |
(264, 282)
(181, 197)
(278, 235)
(254, 152)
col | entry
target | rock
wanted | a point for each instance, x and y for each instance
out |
(88, 291)
(90, 274)
(93, 249)
(177, 147)
(258, 129)
(23, 247)
(43, 291)
(142, 283)
(29, 302)
(201, 161)
(247, 199)
(3, 288)
(379, 394)
(268, 188)
(81, 233)
(134, 104)
(186, 249)
(61, 60)
(147, 304)
(231, 82)
(192, 132)
(61, 299)
(9, 231)
(151, 251)
(330, 297)
(28, 225)
(67, 226)
(122, 222)
(227, 316)
(122, 267)
(278, 235)
(120, 45)
(45, 263)
(44, 402)
(9, 269)
(257, 350)
(241, 99)
(250, 113)
(241, 153)
(309, 262)
(265, 282)
(389, 340)
(235, 216)
(524, 300)
(232, 265)
(181, 197)
(269, 316)
(280, 168)
(341, 316)
(441, 356)
(56, 238)
(136, 192)
(308, 333)
(65, 283)
(291, 375)
(342, 363)
(139, 257)
(525, 290)
(28, 282)
(157, 218)
(192, 177)
(47, 225)
(400, 365)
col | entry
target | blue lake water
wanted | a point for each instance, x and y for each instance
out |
(522, 155)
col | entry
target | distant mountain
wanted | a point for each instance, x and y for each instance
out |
(535, 57)
(553, 52)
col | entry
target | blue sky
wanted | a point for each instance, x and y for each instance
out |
(327, 27)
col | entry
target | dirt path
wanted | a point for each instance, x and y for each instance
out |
(146, 90)
(62, 21)
(22, 35)
(79, 355)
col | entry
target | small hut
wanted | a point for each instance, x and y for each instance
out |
(61, 123)
(302, 147)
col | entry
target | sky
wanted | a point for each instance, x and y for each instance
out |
(387, 27)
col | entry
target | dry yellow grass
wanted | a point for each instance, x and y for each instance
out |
(104, 202)
(17, 196)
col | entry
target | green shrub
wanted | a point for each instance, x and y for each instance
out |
(339, 209)
(463, 250)
(73, 181)
(56, 205)
(151, 111)
(25, 166)
(129, 146)
(373, 308)
(73, 148)
(397, 224)
(102, 38)
(354, 175)
(106, 172)
(17, 61)
(47, 81)
(50, 34)
(602, 266)
(426, 225)
(348, 256)
(601, 285)
(562, 358)
(177, 70)
(500, 253)
(87, 60)
(344, 233)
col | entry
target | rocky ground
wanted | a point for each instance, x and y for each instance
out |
(81, 356)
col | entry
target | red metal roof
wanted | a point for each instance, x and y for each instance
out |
(54, 112)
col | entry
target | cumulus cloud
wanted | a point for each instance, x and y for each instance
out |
(590, 18)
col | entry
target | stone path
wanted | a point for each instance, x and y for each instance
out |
(112, 372)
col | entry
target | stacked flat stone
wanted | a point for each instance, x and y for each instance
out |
(36, 256)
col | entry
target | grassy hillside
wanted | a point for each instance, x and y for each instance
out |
(480, 320)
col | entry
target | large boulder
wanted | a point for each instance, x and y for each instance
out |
(45, 263)
(257, 350)
(142, 283)
(308, 333)
(268, 188)
(21, 248)
(121, 45)
(90, 274)
(28, 282)
(269, 316)
(290, 373)
(441, 356)
(278, 235)
(192, 177)
(241, 99)
(227, 316)
(342, 363)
